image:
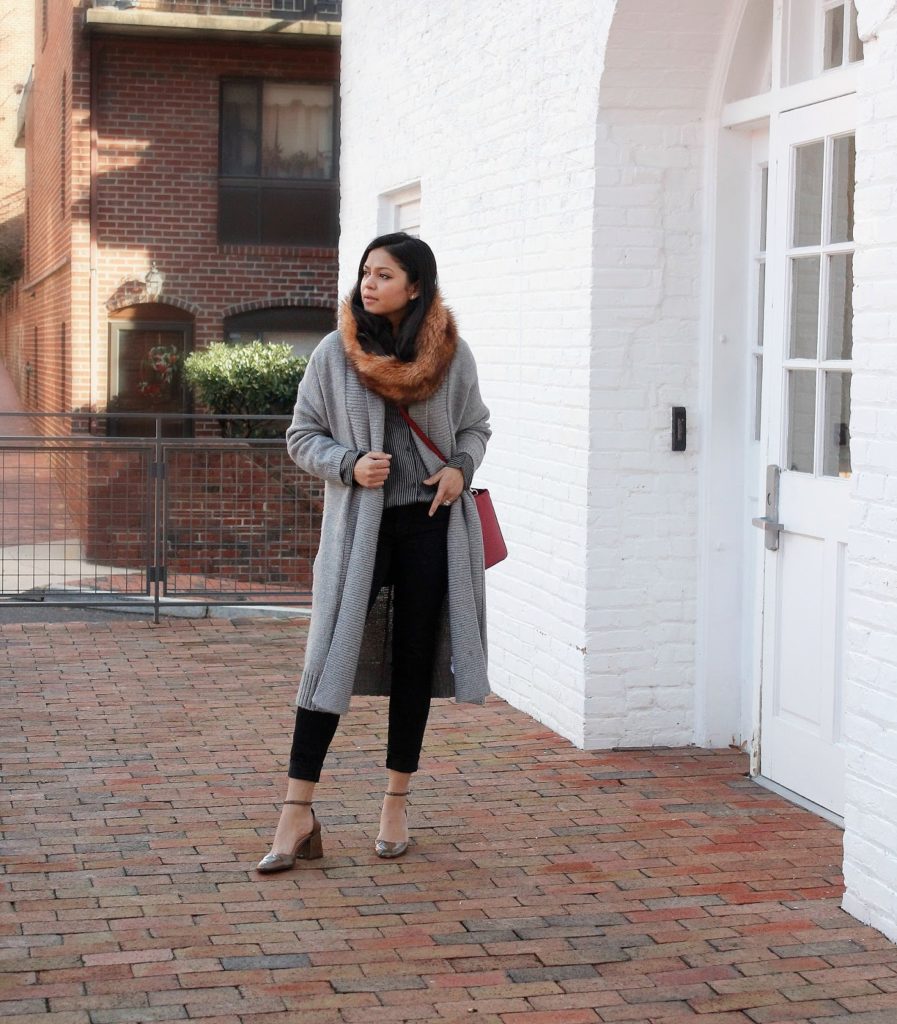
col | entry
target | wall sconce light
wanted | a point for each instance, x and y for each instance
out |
(154, 282)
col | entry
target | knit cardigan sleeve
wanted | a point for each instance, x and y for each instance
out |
(310, 441)
(471, 414)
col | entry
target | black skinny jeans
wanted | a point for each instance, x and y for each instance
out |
(412, 556)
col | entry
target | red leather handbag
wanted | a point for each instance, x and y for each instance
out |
(494, 548)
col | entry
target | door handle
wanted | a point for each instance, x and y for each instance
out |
(770, 522)
(772, 528)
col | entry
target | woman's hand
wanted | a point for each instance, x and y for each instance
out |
(449, 483)
(372, 469)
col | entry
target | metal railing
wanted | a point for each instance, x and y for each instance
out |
(303, 10)
(101, 508)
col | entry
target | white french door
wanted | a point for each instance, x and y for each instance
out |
(805, 437)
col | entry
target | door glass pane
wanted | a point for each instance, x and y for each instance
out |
(836, 429)
(840, 307)
(146, 378)
(764, 205)
(833, 55)
(804, 307)
(855, 43)
(808, 175)
(761, 303)
(801, 419)
(843, 186)
(149, 370)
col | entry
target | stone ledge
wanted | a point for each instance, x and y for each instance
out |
(166, 24)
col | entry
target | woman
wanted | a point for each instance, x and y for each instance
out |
(401, 553)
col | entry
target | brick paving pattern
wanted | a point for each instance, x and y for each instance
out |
(144, 765)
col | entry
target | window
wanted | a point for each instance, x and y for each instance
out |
(301, 328)
(819, 36)
(31, 368)
(841, 39)
(400, 210)
(820, 325)
(278, 173)
(324, 10)
(63, 369)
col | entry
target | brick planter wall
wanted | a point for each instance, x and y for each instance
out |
(239, 515)
(247, 515)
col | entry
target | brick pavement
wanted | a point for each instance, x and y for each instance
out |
(143, 771)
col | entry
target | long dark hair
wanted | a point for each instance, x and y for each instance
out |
(417, 260)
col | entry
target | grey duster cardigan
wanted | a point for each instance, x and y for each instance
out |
(348, 651)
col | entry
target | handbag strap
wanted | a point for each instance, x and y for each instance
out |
(420, 433)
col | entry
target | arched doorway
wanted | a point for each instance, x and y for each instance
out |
(648, 650)
(721, 128)
(783, 300)
(148, 344)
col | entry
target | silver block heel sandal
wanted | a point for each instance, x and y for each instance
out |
(387, 850)
(307, 847)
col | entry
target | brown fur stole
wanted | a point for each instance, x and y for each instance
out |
(388, 376)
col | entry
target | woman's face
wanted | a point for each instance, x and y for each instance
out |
(385, 288)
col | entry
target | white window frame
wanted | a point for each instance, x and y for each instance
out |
(393, 202)
(821, 12)
(781, 96)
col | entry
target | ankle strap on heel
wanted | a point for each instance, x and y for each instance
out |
(406, 793)
(299, 803)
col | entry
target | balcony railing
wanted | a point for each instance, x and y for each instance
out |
(300, 10)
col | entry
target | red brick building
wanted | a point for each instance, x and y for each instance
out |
(182, 188)
(16, 46)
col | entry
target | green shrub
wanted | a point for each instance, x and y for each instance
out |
(251, 379)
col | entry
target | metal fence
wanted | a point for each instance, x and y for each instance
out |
(101, 508)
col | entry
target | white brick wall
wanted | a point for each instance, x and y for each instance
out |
(870, 841)
(643, 567)
(569, 243)
(493, 106)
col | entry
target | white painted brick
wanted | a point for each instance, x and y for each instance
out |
(870, 732)
(569, 242)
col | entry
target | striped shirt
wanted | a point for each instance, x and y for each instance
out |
(404, 485)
